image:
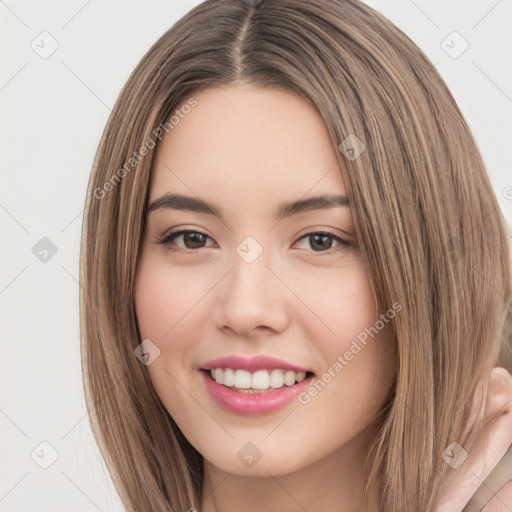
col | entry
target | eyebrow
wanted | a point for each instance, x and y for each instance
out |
(286, 209)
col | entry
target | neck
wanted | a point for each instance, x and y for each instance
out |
(335, 482)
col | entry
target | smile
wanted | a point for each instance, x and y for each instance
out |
(243, 380)
(253, 394)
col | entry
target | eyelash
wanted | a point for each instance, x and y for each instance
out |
(167, 239)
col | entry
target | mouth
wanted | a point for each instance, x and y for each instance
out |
(260, 381)
(263, 394)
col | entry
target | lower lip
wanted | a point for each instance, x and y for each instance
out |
(253, 404)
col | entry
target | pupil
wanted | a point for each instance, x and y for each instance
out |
(326, 238)
(195, 244)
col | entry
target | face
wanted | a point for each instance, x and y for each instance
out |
(249, 282)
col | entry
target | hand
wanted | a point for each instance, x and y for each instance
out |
(495, 494)
(477, 485)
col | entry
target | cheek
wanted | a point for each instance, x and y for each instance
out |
(165, 299)
(164, 308)
(358, 351)
(172, 308)
(341, 301)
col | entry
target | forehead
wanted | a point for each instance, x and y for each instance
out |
(266, 141)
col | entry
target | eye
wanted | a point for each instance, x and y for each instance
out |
(321, 241)
(193, 240)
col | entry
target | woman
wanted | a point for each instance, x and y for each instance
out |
(230, 357)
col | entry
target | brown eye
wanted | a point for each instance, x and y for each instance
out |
(192, 240)
(322, 242)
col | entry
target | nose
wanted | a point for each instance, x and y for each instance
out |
(252, 299)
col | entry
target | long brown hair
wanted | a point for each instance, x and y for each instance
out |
(427, 221)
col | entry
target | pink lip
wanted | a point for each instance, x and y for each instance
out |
(251, 364)
(252, 404)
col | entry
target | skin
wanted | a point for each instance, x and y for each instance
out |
(488, 466)
(247, 150)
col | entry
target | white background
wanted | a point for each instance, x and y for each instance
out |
(52, 115)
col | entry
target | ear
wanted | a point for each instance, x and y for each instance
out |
(500, 392)
(467, 486)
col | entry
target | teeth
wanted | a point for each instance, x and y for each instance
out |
(260, 380)
(276, 379)
(228, 378)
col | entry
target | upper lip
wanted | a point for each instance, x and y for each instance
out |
(252, 364)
